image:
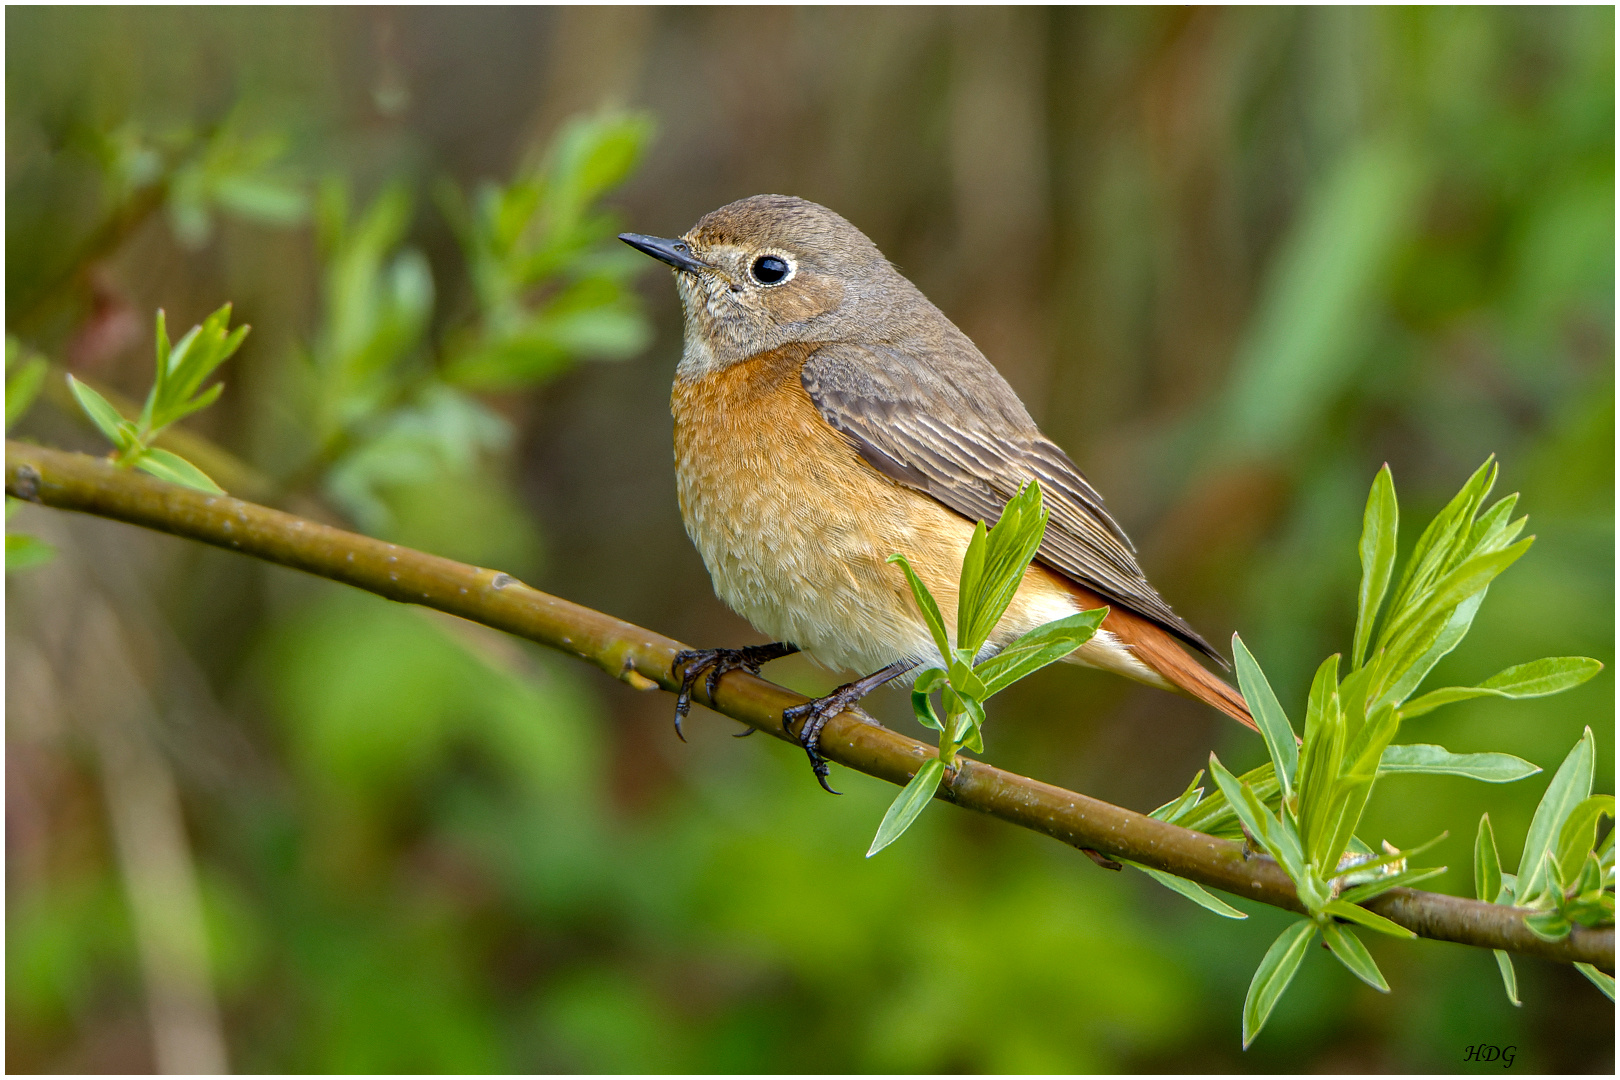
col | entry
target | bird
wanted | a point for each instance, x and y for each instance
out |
(827, 416)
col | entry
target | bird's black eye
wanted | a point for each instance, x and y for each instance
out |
(770, 270)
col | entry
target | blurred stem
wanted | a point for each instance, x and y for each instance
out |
(106, 239)
(642, 658)
(160, 878)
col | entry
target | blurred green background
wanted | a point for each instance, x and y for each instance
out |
(1232, 259)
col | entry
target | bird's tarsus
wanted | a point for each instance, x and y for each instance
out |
(813, 715)
(691, 663)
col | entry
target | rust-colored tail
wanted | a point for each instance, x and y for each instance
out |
(1160, 651)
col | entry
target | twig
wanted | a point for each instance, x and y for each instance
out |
(642, 659)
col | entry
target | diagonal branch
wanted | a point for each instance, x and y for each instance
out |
(643, 658)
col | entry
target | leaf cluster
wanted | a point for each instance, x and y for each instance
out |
(1561, 877)
(389, 406)
(970, 670)
(177, 392)
(547, 288)
(1304, 806)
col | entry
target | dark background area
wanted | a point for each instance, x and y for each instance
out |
(1233, 260)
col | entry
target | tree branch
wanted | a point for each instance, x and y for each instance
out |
(643, 658)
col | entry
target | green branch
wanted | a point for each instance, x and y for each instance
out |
(643, 658)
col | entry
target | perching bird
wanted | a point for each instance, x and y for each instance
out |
(827, 416)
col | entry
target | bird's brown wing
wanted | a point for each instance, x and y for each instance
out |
(952, 428)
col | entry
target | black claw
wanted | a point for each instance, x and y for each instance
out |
(689, 664)
(815, 714)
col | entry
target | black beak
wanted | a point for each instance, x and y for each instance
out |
(674, 252)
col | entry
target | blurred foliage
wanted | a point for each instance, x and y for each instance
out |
(1233, 258)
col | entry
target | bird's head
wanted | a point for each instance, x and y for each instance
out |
(772, 270)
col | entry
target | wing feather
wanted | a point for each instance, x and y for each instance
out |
(968, 442)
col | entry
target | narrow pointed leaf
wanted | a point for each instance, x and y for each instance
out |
(1008, 551)
(1278, 840)
(926, 604)
(1579, 833)
(971, 583)
(1539, 678)
(1428, 758)
(1571, 784)
(1041, 646)
(1174, 808)
(1379, 524)
(1510, 979)
(1603, 982)
(1354, 955)
(1192, 891)
(106, 418)
(1487, 864)
(907, 805)
(1371, 920)
(176, 470)
(1268, 714)
(1273, 975)
(1404, 879)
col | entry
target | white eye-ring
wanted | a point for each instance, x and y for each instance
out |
(772, 268)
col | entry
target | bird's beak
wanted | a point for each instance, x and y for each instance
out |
(675, 252)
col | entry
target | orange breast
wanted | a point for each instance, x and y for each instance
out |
(794, 528)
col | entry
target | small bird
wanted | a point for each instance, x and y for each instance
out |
(827, 416)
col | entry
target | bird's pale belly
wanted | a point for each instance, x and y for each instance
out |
(796, 529)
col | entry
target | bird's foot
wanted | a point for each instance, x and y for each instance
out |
(691, 663)
(813, 715)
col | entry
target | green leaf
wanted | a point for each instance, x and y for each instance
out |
(24, 552)
(1569, 786)
(908, 804)
(1276, 836)
(1175, 807)
(111, 424)
(1510, 980)
(926, 604)
(1379, 525)
(1191, 890)
(1487, 864)
(1603, 982)
(1043, 645)
(23, 381)
(1273, 975)
(1371, 920)
(176, 470)
(1472, 577)
(1268, 714)
(1579, 833)
(262, 199)
(965, 682)
(1549, 925)
(1405, 664)
(1539, 678)
(1215, 816)
(1009, 547)
(921, 704)
(1380, 885)
(1321, 761)
(1495, 528)
(1438, 544)
(971, 582)
(1428, 758)
(1354, 955)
